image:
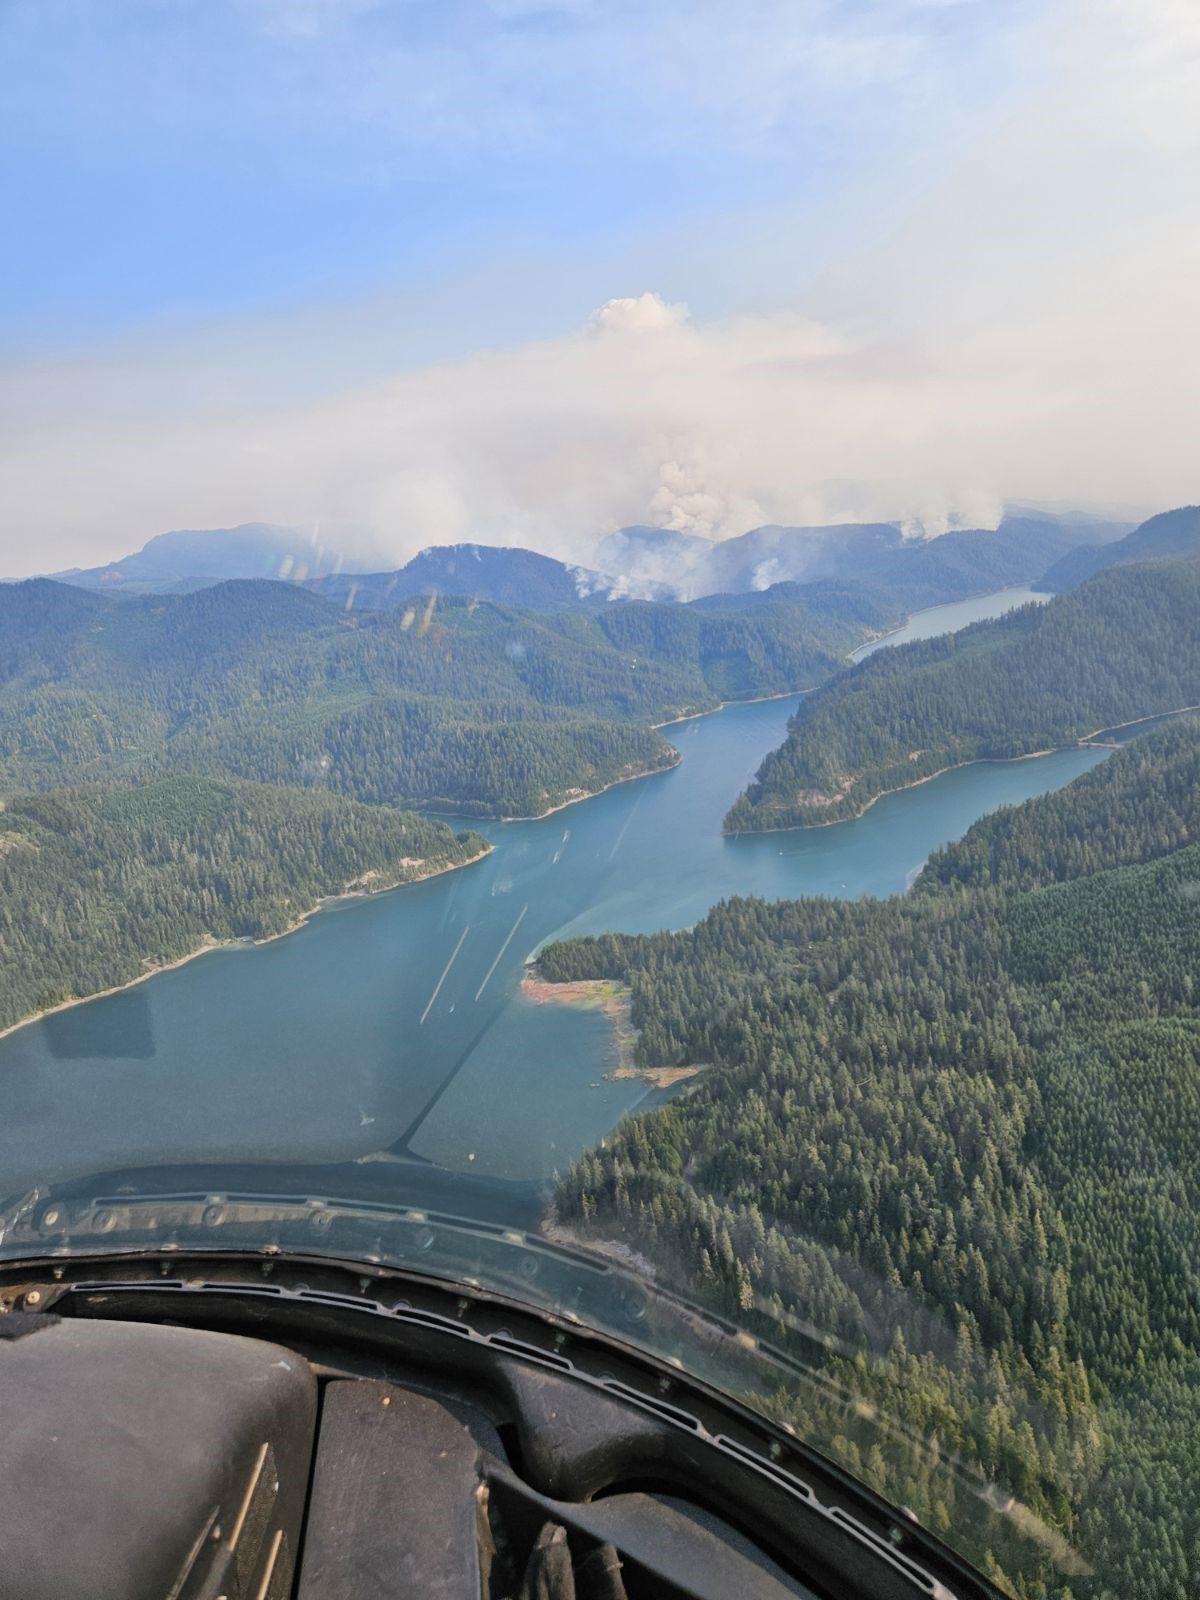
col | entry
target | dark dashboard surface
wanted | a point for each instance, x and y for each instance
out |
(231, 1430)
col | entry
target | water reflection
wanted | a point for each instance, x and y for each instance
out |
(120, 1030)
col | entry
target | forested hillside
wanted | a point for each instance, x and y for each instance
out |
(957, 1132)
(930, 572)
(1123, 646)
(99, 886)
(1137, 807)
(448, 703)
(509, 576)
(1170, 534)
(181, 768)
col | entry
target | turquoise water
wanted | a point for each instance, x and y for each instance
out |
(950, 618)
(331, 1046)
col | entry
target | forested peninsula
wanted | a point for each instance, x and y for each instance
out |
(1125, 645)
(100, 887)
(958, 1133)
(178, 770)
(439, 703)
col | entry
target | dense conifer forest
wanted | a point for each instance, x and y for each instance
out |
(957, 1133)
(99, 886)
(180, 768)
(953, 1133)
(1125, 645)
(1169, 534)
(445, 703)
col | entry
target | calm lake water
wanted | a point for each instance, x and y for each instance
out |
(330, 1046)
(950, 618)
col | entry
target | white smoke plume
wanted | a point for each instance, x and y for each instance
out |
(639, 416)
(646, 416)
(1014, 316)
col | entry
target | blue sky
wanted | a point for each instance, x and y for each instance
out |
(180, 159)
(339, 261)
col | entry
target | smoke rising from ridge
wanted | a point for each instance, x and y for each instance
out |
(647, 416)
(1014, 316)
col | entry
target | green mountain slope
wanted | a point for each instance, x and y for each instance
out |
(1169, 535)
(1126, 645)
(97, 887)
(470, 706)
(948, 1151)
(177, 769)
(509, 576)
(930, 572)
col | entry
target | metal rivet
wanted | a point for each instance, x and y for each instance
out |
(34, 1297)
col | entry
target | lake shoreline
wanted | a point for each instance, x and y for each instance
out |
(635, 777)
(754, 700)
(444, 811)
(903, 788)
(235, 1057)
(557, 1232)
(614, 1000)
(876, 641)
(209, 945)
(1086, 741)
(1115, 727)
(592, 794)
(608, 996)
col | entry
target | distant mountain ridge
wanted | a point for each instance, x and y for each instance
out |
(637, 562)
(193, 558)
(916, 572)
(694, 567)
(188, 559)
(901, 573)
(1171, 534)
(503, 575)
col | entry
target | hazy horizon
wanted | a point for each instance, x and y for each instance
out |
(350, 550)
(515, 272)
